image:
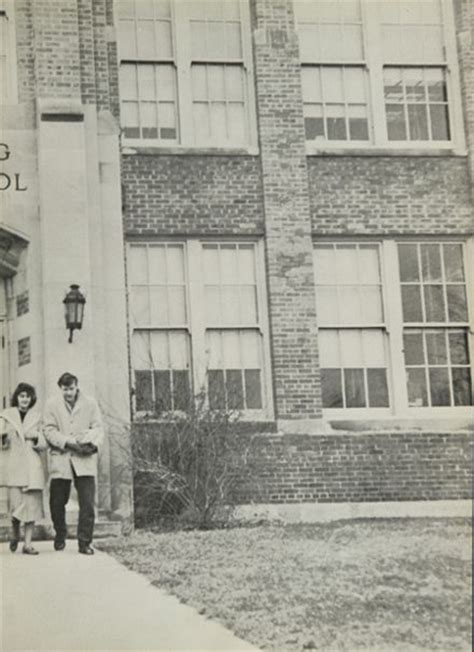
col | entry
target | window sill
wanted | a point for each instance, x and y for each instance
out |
(428, 423)
(385, 151)
(132, 149)
(244, 424)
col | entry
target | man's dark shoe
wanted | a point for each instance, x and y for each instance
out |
(59, 544)
(86, 550)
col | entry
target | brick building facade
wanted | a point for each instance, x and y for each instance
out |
(291, 182)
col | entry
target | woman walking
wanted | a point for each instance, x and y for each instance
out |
(22, 441)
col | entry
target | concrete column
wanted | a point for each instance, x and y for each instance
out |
(287, 217)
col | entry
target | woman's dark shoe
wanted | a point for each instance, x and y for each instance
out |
(86, 550)
(29, 550)
(15, 535)
(59, 544)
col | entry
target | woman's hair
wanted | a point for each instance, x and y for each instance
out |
(24, 387)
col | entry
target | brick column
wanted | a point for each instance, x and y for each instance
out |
(464, 15)
(287, 217)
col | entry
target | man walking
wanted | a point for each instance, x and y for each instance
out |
(74, 431)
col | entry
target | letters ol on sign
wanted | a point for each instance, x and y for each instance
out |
(10, 181)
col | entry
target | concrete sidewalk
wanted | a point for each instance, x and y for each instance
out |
(66, 601)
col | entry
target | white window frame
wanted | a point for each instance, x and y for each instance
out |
(182, 60)
(197, 324)
(7, 10)
(373, 64)
(394, 328)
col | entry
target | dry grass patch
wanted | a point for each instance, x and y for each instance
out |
(381, 585)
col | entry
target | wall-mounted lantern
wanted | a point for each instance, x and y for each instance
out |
(74, 303)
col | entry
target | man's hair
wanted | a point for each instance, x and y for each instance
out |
(24, 387)
(67, 379)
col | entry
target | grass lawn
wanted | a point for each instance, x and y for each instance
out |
(377, 585)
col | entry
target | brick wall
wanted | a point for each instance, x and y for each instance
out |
(56, 44)
(390, 195)
(169, 195)
(358, 468)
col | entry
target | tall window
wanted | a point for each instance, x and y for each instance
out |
(378, 71)
(233, 335)
(160, 339)
(435, 319)
(352, 326)
(185, 75)
(8, 91)
(411, 354)
(197, 323)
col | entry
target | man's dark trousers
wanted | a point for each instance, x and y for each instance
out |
(59, 492)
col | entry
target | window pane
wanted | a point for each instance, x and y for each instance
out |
(248, 300)
(457, 303)
(253, 389)
(351, 348)
(413, 348)
(431, 262)
(218, 122)
(311, 84)
(162, 390)
(130, 119)
(235, 390)
(216, 389)
(345, 264)
(396, 127)
(349, 305)
(143, 391)
(324, 263)
(358, 123)
(140, 307)
(434, 303)
(329, 354)
(418, 121)
(411, 302)
(354, 388)
(236, 123)
(327, 306)
(462, 390)
(393, 85)
(331, 388)
(371, 303)
(141, 355)
(369, 269)
(230, 305)
(453, 262)
(146, 39)
(250, 344)
(163, 39)
(408, 262)
(330, 40)
(355, 86)
(436, 348)
(234, 40)
(352, 41)
(332, 84)
(158, 305)
(439, 122)
(458, 348)
(215, 76)
(417, 394)
(377, 386)
(439, 386)
(234, 83)
(373, 348)
(181, 390)
(336, 122)
(314, 123)
(177, 305)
